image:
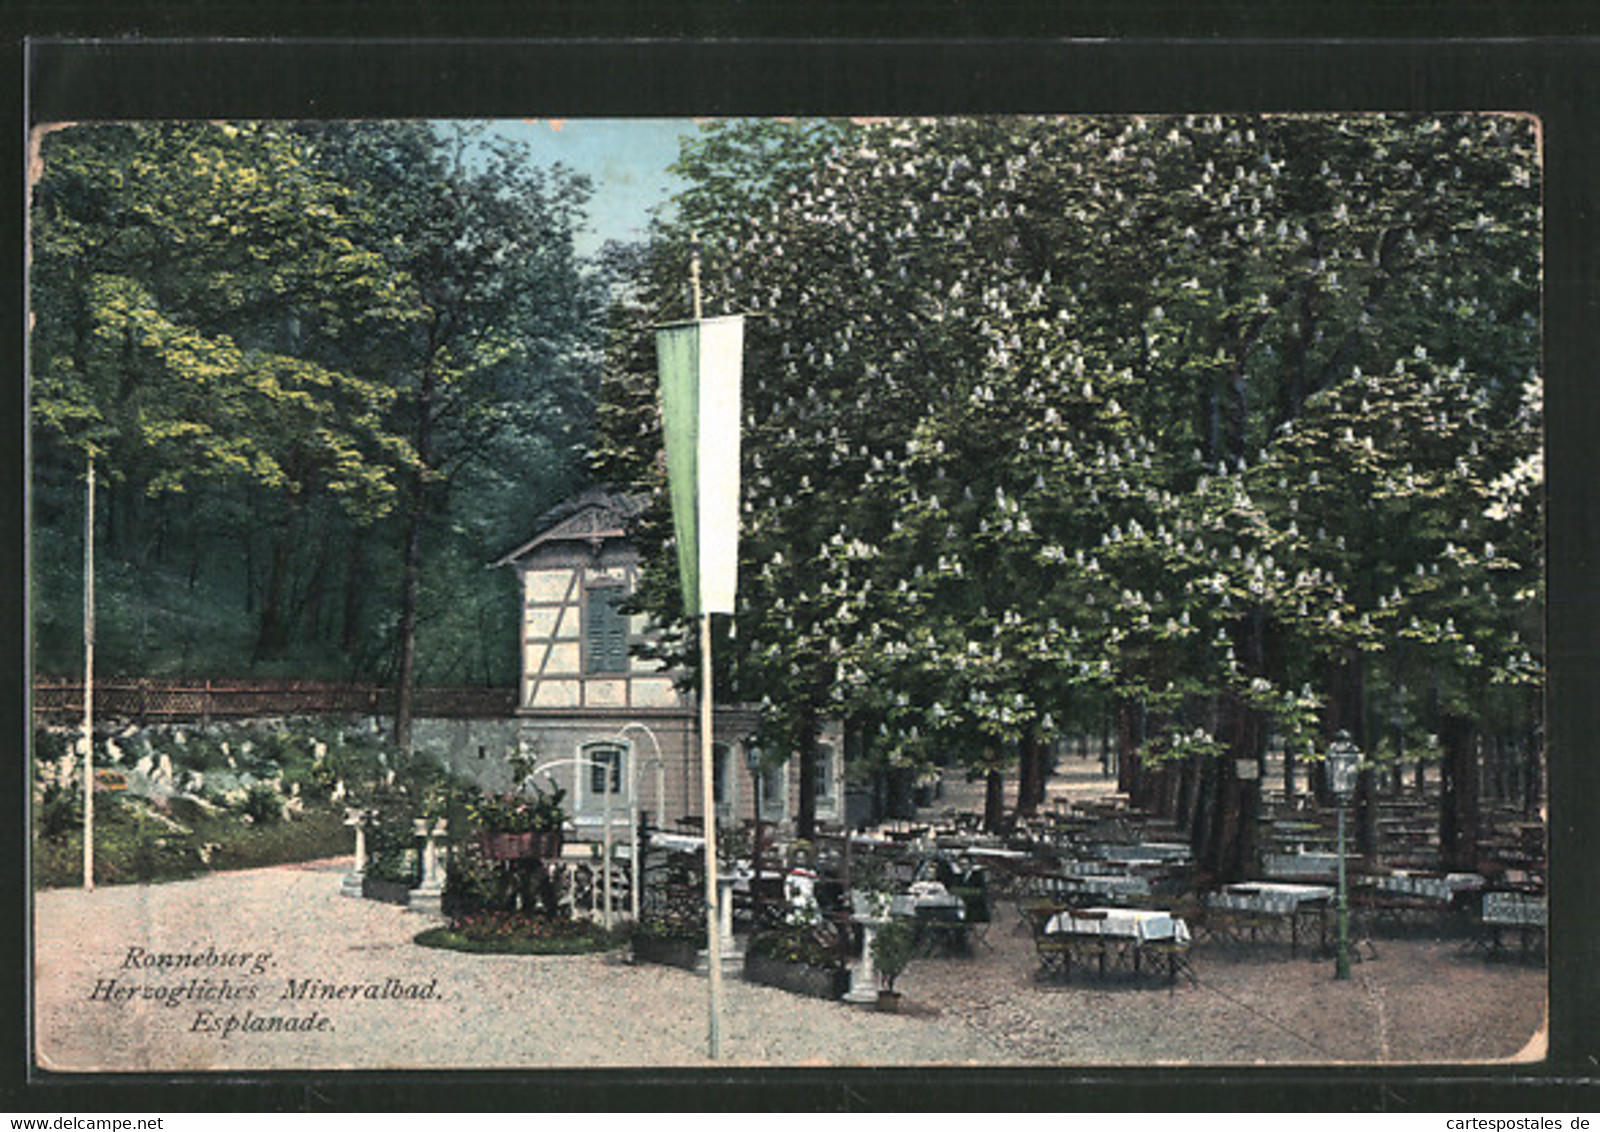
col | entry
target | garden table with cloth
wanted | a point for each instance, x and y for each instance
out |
(1143, 851)
(1430, 886)
(940, 915)
(1519, 912)
(1111, 886)
(1309, 863)
(1241, 909)
(1406, 896)
(1122, 935)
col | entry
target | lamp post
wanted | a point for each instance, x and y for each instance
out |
(633, 807)
(1344, 758)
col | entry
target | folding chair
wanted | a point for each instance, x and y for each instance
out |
(1052, 948)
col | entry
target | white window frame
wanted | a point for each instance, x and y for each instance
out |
(827, 781)
(774, 809)
(725, 766)
(589, 802)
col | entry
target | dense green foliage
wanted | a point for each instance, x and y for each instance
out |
(326, 372)
(1232, 424)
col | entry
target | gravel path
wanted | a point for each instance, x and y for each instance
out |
(109, 997)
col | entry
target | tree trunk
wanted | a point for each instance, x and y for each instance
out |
(1030, 775)
(411, 579)
(1129, 736)
(1230, 848)
(994, 801)
(1533, 757)
(273, 630)
(806, 818)
(1458, 799)
(410, 595)
(355, 588)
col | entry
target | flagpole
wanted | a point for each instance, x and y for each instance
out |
(709, 808)
(708, 800)
(88, 682)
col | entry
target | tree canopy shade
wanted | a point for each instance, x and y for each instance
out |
(1045, 414)
(315, 358)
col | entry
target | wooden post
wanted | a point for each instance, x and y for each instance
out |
(709, 829)
(88, 682)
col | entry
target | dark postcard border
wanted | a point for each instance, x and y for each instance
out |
(74, 80)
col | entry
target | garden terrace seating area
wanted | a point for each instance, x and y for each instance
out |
(1248, 914)
(1108, 942)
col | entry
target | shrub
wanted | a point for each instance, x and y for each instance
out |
(519, 933)
(60, 812)
(263, 805)
(803, 940)
(892, 948)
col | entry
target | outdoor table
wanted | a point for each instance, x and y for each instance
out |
(1144, 851)
(1525, 914)
(1123, 935)
(1110, 885)
(1134, 923)
(1442, 889)
(1303, 864)
(1273, 903)
(930, 899)
(940, 915)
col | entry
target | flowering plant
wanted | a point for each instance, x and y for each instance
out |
(512, 813)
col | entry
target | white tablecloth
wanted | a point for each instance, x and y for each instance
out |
(1169, 851)
(1433, 888)
(1514, 908)
(1300, 864)
(1110, 885)
(1130, 923)
(932, 897)
(1275, 898)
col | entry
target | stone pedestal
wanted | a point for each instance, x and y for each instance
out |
(864, 975)
(428, 897)
(351, 885)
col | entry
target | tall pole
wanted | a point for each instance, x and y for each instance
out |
(708, 800)
(88, 682)
(709, 808)
(1341, 962)
(605, 839)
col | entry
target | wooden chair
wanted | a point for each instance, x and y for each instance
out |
(1052, 948)
(978, 917)
(1171, 956)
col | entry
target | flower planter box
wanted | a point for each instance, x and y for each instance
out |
(386, 891)
(544, 845)
(668, 952)
(797, 978)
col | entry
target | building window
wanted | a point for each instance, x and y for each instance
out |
(605, 629)
(605, 770)
(722, 771)
(774, 784)
(825, 774)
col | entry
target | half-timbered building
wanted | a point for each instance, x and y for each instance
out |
(609, 726)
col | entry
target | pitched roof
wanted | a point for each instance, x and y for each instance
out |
(593, 515)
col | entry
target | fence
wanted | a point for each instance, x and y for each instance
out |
(204, 700)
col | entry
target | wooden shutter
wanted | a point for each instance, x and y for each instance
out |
(606, 630)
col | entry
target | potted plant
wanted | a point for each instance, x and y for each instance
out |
(800, 956)
(892, 947)
(871, 889)
(673, 941)
(511, 827)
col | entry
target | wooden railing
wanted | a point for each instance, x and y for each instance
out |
(153, 699)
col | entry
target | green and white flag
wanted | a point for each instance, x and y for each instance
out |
(700, 364)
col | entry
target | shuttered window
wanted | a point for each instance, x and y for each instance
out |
(605, 630)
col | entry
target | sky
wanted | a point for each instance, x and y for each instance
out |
(625, 158)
